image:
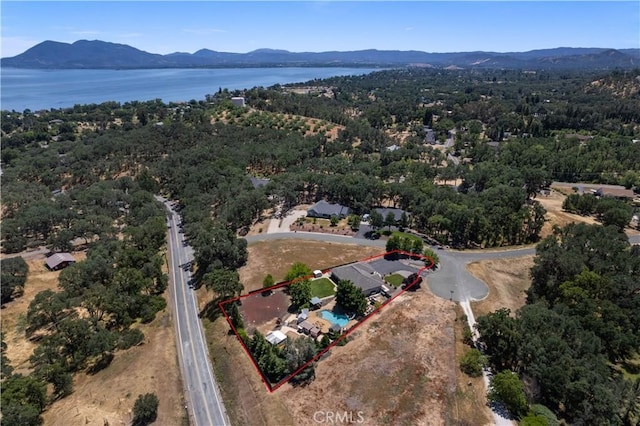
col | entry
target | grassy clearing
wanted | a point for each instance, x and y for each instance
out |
(322, 287)
(395, 280)
(405, 235)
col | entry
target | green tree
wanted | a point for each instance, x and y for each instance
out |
(298, 352)
(472, 363)
(23, 399)
(145, 409)
(224, 283)
(351, 298)
(298, 270)
(268, 281)
(500, 338)
(389, 220)
(300, 293)
(13, 275)
(354, 221)
(507, 388)
(376, 220)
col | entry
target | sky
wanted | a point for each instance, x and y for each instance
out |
(315, 26)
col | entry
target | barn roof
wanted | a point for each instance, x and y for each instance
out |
(58, 258)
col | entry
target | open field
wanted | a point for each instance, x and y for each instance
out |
(108, 395)
(398, 367)
(276, 257)
(508, 279)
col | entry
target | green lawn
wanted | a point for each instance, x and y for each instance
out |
(394, 280)
(404, 234)
(322, 287)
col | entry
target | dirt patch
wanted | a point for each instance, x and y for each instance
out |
(260, 308)
(397, 368)
(508, 279)
(276, 257)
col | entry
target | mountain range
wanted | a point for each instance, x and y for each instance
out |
(96, 54)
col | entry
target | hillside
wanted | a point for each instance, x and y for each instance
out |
(84, 54)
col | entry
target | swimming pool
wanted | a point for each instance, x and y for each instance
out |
(339, 319)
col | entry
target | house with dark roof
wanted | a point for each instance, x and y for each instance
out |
(361, 275)
(324, 210)
(59, 261)
(397, 213)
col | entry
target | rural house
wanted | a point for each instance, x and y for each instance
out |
(397, 213)
(325, 210)
(59, 261)
(361, 275)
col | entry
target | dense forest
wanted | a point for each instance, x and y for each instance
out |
(465, 151)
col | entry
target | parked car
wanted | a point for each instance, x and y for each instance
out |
(413, 281)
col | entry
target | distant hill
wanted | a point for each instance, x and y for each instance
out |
(84, 54)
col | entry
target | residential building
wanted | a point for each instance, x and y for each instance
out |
(59, 261)
(325, 210)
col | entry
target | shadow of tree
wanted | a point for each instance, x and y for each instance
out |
(211, 310)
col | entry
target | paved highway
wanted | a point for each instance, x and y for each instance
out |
(201, 390)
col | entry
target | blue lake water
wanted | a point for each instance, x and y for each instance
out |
(339, 319)
(22, 89)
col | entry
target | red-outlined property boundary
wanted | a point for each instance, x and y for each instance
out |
(274, 387)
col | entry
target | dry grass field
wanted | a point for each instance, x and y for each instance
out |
(508, 279)
(109, 395)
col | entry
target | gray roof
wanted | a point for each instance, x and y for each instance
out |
(58, 258)
(315, 300)
(306, 325)
(257, 182)
(323, 208)
(360, 274)
(384, 211)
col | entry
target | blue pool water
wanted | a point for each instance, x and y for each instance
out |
(339, 319)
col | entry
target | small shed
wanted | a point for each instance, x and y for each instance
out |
(59, 261)
(305, 327)
(276, 337)
(316, 301)
(303, 315)
(314, 332)
(335, 328)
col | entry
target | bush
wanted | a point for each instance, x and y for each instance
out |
(472, 363)
(145, 409)
(130, 337)
(467, 335)
(539, 410)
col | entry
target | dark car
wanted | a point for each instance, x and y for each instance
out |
(372, 235)
(413, 282)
